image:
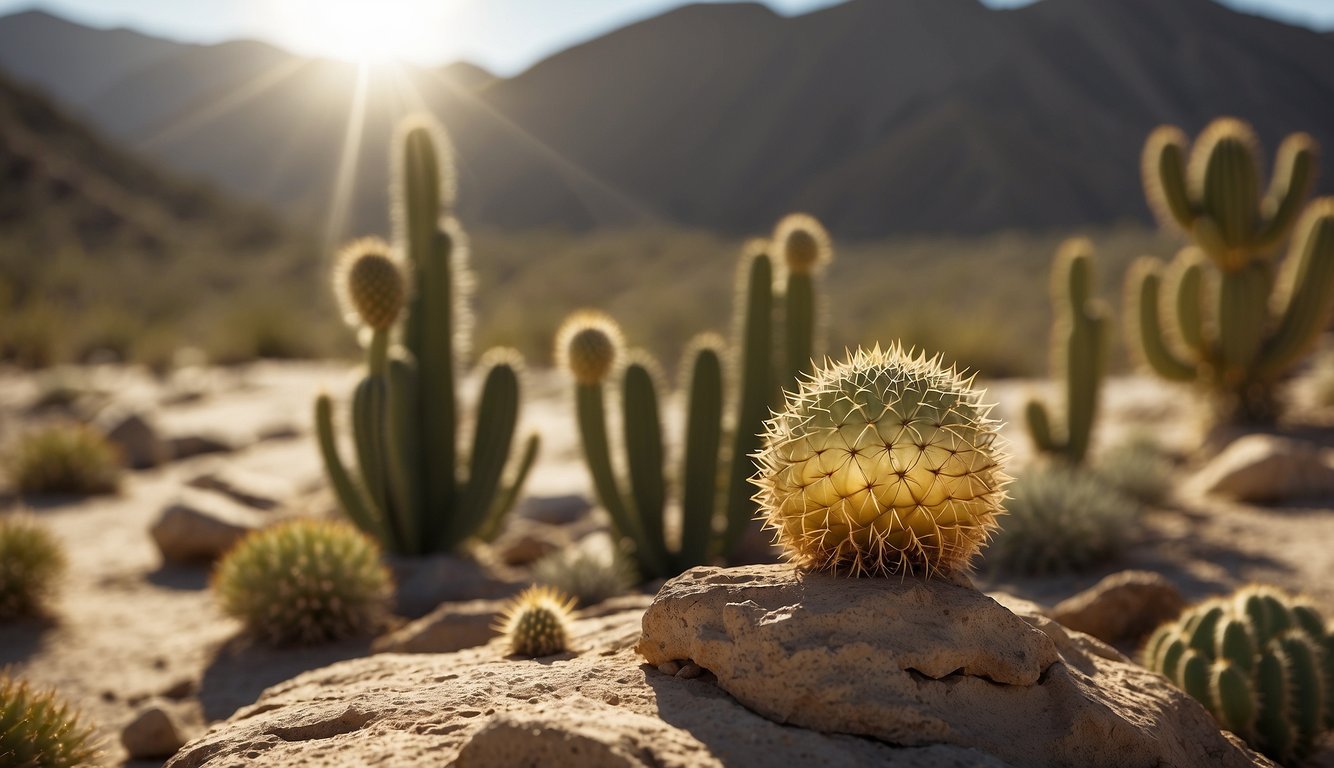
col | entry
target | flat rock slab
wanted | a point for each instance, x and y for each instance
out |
(915, 662)
(1265, 469)
(598, 705)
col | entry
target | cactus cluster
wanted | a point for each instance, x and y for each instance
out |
(31, 562)
(1260, 660)
(1079, 355)
(37, 730)
(1236, 320)
(305, 582)
(590, 346)
(412, 490)
(886, 463)
(65, 457)
(536, 623)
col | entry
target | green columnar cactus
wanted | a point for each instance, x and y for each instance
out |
(806, 248)
(1079, 355)
(37, 730)
(588, 344)
(883, 464)
(411, 490)
(1261, 661)
(1241, 326)
(536, 622)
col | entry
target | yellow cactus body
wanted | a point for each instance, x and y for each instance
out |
(887, 463)
(536, 622)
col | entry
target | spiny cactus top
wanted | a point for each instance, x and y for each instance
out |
(369, 284)
(588, 345)
(536, 622)
(804, 243)
(1261, 660)
(886, 463)
(37, 729)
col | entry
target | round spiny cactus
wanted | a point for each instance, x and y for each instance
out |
(369, 283)
(536, 623)
(588, 345)
(804, 243)
(304, 582)
(31, 561)
(887, 463)
(1261, 661)
(37, 730)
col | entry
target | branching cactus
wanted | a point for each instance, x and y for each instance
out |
(1261, 661)
(1079, 355)
(883, 464)
(412, 489)
(590, 345)
(1239, 326)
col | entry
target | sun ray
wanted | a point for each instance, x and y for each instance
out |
(216, 108)
(346, 178)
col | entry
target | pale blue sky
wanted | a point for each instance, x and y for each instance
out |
(503, 35)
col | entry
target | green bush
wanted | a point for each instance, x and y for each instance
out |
(1062, 519)
(65, 458)
(590, 574)
(31, 562)
(305, 582)
(37, 730)
(1139, 468)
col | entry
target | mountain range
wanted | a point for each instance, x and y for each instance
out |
(879, 116)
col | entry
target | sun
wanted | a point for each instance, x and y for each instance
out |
(364, 31)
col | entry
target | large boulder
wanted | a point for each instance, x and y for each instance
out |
(1263, 469)
(916, 662)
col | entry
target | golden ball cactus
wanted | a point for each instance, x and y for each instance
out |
(536, 623)
(370, 283)
(884, 464)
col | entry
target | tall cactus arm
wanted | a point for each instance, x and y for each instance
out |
(1224, 176)
(1085, 367)
(434, 306)
(370, 407)
(403, 445)
(497, 416)
(755, 391)
(509, 493)
(1243, 311)
(592, 419)
(1186, 284)
(1294, 175)
(1039, 428)
(1307, 289)
(699, 475)
(350, 497)
(1142, 288)
(644, 456)
(1163, 168)
(799, 316)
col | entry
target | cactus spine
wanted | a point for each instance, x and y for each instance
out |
(1261, 661)
(411, 490)
(1239, 327)
(536, 623)
(1079, 355)
(710, 480)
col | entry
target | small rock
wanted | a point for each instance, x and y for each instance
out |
(450, 627)
(690, 671)
(525, 541)
(201, 527)
(189, 446)
(554, 510)
(181, 689)
(1123, 608)
(278, 432)
(1265, 468)
(426, 582)
(153, 733)
(138, 440)
(253, 489)
(669, 668)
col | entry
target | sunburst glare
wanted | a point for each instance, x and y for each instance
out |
(365, 32)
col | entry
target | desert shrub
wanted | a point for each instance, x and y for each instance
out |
(1062, 519)
(591, 574)
(37, 730)
(305, 582)
(64, 458)
(1139, 468)
(31, 562)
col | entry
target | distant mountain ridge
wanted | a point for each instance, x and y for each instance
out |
(880, 116)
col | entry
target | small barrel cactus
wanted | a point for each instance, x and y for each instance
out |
(370, 284)
(536, 623)
(37, 730)
(887, 463)
(1260, 660)
(31, 561)
(305, 582)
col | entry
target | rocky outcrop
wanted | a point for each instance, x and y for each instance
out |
(1123, 608)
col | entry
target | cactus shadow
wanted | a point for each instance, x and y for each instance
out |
(241, 670)
(180, 577)
(21, 639)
